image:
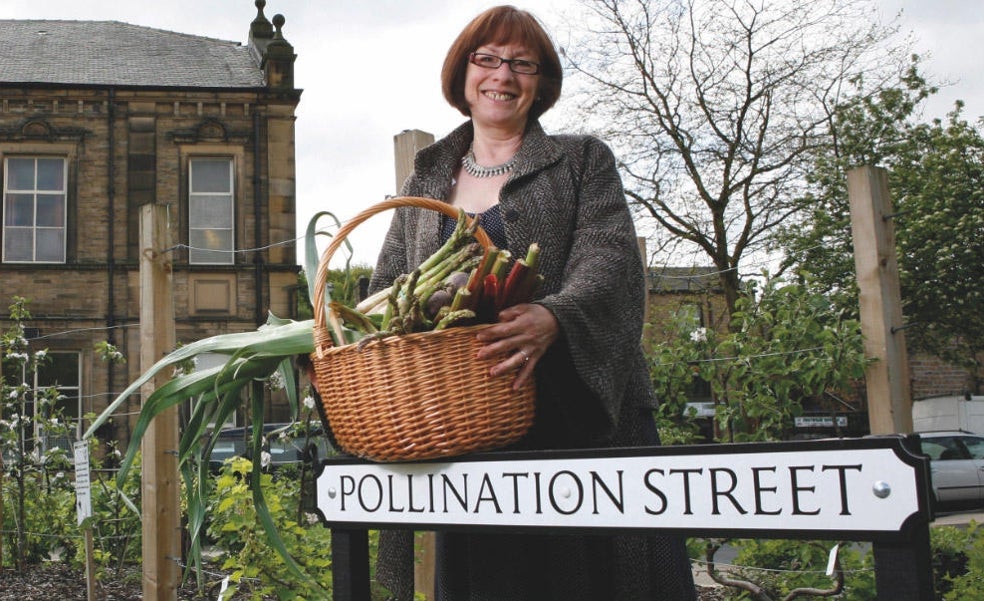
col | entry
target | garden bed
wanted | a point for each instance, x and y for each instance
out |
(59, 581)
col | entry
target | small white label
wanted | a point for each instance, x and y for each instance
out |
(832, 560)
(223, 588)
(83, 488)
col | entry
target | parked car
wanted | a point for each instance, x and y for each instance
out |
(957, 467)
(285, 446)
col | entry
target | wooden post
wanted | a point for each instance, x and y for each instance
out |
(887, 378)
(161, 508)
(406, 144)
(90, 566)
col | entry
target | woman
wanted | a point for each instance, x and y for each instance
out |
(581, 336)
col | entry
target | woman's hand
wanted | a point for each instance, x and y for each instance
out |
(522, 336)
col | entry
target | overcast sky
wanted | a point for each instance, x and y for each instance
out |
(370, 69)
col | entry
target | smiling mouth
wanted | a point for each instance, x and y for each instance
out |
(499, 96)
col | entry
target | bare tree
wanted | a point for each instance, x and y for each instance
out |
(717, 108)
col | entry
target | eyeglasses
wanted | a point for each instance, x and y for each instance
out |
(516, 65)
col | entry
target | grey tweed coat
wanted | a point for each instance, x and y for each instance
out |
(593, 387)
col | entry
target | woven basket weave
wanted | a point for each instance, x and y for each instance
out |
(417, 396)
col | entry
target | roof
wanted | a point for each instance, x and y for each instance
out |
(111, 53)
(684, 279)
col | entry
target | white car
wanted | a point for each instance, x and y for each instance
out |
(957, 466)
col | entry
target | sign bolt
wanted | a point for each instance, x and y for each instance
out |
(881, 489)
(331, 493)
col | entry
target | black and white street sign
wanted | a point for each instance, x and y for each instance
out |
(852, 486)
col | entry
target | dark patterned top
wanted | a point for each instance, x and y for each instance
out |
(491, 221)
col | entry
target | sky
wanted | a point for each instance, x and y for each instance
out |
(370, 69)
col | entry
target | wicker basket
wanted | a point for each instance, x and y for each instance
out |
(417, 396)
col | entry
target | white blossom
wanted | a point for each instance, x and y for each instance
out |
(276, 381)
(265, 459)
(699, 335)
(308, 402)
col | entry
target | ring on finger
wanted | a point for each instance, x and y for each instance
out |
(526, 357)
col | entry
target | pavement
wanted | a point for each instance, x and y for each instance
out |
(942, 519)
(958, 518)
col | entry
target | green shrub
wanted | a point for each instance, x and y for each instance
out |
(958, 562)
(794, 564)
(235, 529)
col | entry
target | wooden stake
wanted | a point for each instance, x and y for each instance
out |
(887, 378)
(406, 144)
(90, 567)
(161, 508)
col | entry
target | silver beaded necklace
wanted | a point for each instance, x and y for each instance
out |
(476, 170)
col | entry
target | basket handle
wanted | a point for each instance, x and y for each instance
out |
(321, 279)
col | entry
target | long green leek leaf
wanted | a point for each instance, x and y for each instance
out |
(291, 338)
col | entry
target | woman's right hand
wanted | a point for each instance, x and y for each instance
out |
(522, 335)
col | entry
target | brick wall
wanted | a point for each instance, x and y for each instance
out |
(933, 377)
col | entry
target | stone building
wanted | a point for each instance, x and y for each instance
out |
(97, 119)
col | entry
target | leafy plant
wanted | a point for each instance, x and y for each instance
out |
(958, 562)
(117, 530)
(30, 418)
(235, 527)
(786, 343)
(934, 173)
(264, 355)
(792, 564)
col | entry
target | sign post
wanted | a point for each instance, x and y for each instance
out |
(83, 510)
(858, 489)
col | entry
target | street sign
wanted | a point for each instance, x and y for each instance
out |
(854, 488)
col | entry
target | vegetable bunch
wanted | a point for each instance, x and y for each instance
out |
(460, 284)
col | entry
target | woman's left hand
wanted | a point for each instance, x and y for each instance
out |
(522, 336)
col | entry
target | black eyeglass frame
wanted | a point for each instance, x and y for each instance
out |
(511, 62)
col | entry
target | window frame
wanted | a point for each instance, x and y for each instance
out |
(35, 192)
(194, 249)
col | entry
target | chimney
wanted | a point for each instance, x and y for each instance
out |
(270, 49)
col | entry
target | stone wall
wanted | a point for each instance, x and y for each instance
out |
(128, 147)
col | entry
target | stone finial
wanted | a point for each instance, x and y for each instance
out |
(260, 27)
(278, 22)
(278, 58)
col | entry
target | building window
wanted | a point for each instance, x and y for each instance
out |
(62, 371)
(210, 211)
(54, 424)
(34, 209)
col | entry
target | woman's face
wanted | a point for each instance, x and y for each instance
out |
(499, 97)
